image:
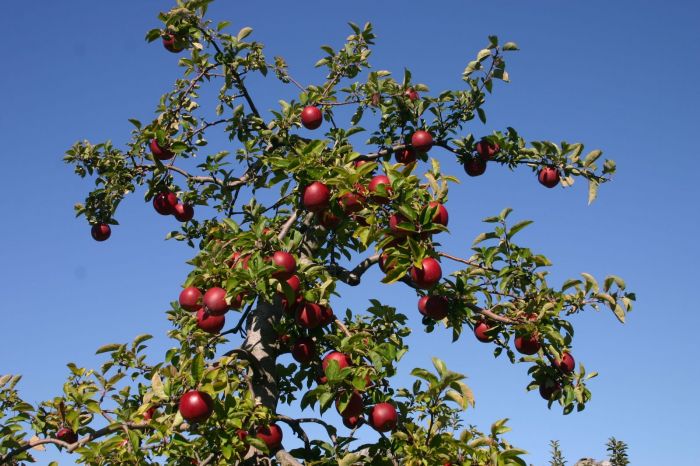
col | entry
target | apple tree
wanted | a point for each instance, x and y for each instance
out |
(276, 222)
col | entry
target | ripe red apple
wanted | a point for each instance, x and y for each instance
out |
(286, 264)
(548, 176)
(385, 266)
(183, 212)
(394, 221)
(422, 141)
(441, 217)
(383, 417)
(487, 149)
(566, 364)
(353, 408)
(351, 422)
(209, 322)
(328, 219)
(310, 315)
(351, 202)
(411, 94)
(327, 316)
(290, 308)
(316, 197)
(171, 44)
(165, 202)
(548, 387)
(527, 344)
(311, 117)
(480, 331)
(189, 298)
(238, 260)
(215, 301)
(67, 435)
(435, 307)
(149, 413)
(100, 231)
(161, 153)
(428, 276)
(373, 188)
(405, 156)
(342, 359)
(271, 435)
(294, 283)
(304, 350)
(475, 166)
(196, 406)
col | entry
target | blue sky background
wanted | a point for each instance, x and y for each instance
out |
(620, 76)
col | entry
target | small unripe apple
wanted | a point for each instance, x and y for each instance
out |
(183, 212)
(383, 417)
(487, 149)
(351, 202)
(527, 344)
(411, 94)
(480, 331)
(422, 141)
(309, 315)
(311, 117)
(548, 176)
(215, 301)
(427, 276)
(548, 388)
(189, 298)
(209, 322)
(342, 359)
(271, 435)
(67, 435)
(316, 197)
(100, 232)
(286, 263)
(196, 406)
(171, 44)
(441, 217)
(354, 406)
(475, 166)
(304, 350)
(165, 202)
(161, 153)
(566, 364)
(435, 307)
(405, 156)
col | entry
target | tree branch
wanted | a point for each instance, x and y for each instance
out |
(352, 277)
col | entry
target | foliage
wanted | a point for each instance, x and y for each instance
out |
(618, 452)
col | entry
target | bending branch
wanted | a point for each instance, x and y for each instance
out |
(352, 277)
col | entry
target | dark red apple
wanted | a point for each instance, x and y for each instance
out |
(67, 435)
(311, 117)
(294, 283)
(327, 315)
(411, 94)
(435, 307)
(304, 350)
(351, 202)
(189, 298)
(548, 176)
(328, 219)
(405, 156)
(527, 344)
(441, 217)
(385, 266)
(383, 417)
(566, 364)
(171, 44)
(271, 435)
(149, 413)
(487, 149)
(342, 359)
(428, 276)
(373, 188)
(290, 308)
(354, 406)
(215, 301)
(316, 197)
(480, 331)
(165, 202)
(183, 212)
(286, 263)
(310, 315)
(394, 221)
(475, 166)
(548, 388)
(159, 152)
(422, 141)
(196, 406)
(100, 232)
(208, 322)
(351, 422)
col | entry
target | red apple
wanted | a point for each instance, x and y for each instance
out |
(383, 417)
(208, 322)
(385, 266)
(271, 435)
(196, 406)
(304, 350)
(354, 406)
(441, 217)
(161, 153)
(286, 263)
(373, 188)
(480, 331)
(100, 231)
(215, 301)
(238, 260)
(351, 422)
(165, 202)
(327, 316)
(548, 388)
(183, 212)
(427, 276)
(435, 307)
(566, 364)
(294, 283)
(171, 44)
(527, 344)
(351, 202)
(290, 308)
(189, 298)
(411, 93)
(548, 176)
(487, 149)
(328, 219)
(316, 197)
(342, 359)
(422, 141)
(310, 315)
(67, 435)
(311, 117)
(475, 166)
(149, 413)
(394, 221)
(405, 156)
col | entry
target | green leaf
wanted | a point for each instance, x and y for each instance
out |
(243, 33)
(591, 157)
(157, 386)
(483, 54)
(517, 227)
(198, 367)
(510, 46)
(108, 348)
(592, 191)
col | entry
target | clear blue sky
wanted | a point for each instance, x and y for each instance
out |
(619, 75)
